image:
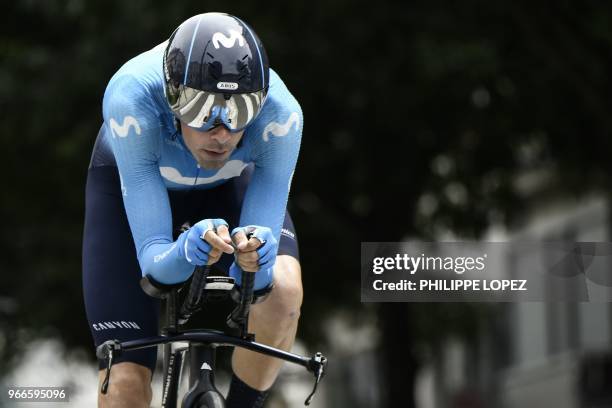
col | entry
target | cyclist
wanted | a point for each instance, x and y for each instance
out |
(197, 129)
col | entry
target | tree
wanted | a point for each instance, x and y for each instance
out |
(418, 120)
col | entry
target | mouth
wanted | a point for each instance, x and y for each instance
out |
(214, 153)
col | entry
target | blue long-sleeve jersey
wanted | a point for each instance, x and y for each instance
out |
(152, 158)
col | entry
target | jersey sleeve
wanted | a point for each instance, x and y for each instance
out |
(276, 145)
(134, 130)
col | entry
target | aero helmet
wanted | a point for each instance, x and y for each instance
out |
(216, 72)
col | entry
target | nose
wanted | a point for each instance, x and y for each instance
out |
(221, 134)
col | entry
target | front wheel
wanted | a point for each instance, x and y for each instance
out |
(212, 399)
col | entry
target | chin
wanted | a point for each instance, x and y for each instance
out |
(212, 165)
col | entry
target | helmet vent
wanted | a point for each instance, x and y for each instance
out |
(215, 70)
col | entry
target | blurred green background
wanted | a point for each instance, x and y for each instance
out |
(423, 119)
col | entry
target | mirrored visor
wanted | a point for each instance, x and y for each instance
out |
(203, 110)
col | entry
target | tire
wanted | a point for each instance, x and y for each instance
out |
(212, 399)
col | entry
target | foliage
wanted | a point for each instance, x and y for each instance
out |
(419, 118)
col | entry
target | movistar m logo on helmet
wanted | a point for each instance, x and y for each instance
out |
(228, 42)
(230, 86)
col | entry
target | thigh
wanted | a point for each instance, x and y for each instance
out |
(116, 306)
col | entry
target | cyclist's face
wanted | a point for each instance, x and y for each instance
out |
(211, 149)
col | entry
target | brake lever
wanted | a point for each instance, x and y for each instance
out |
(317, 365)
(106, 351)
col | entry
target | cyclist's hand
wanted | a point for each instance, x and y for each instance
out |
(205, 242)
(258, 250)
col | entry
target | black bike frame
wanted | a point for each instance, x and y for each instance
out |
(202, 344)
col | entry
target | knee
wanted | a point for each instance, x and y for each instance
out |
(130, 385)
(288, 286)
(289, 302)
(284, 302)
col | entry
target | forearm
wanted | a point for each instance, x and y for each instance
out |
(164, 262)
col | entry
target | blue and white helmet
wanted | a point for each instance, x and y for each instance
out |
(216, 72)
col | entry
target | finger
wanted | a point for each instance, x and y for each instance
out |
(215, 253)
(215, 241)
(248, 266)
(240, 240)
(223, 233)
(252, 245)
(247, 261)
(212, 260)
(252, 256)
